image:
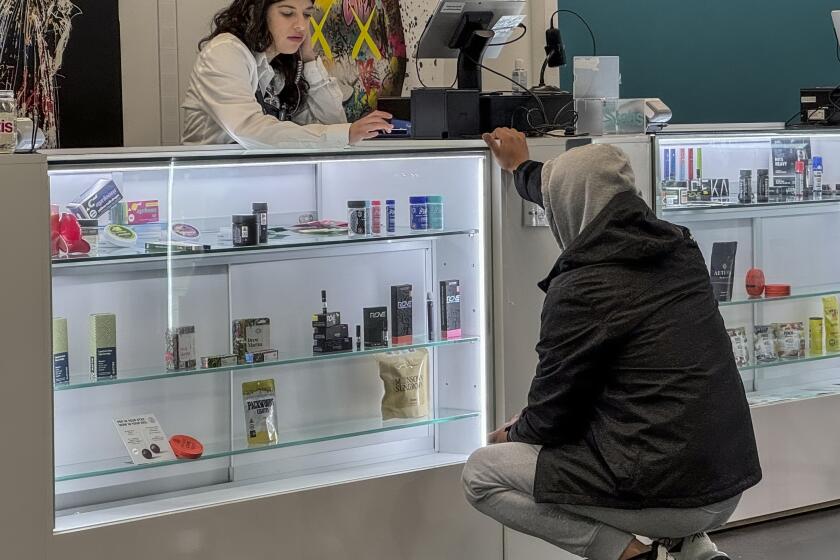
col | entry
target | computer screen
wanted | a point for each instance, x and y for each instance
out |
(506, 16)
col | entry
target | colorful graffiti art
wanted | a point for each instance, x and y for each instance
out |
(33, 38)
(363, 45)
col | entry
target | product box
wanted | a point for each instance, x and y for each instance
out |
(208, 362)
(144, 439)
(450, 309)
(325, 320)
(332, 346)
(786, 152)
(180, 348)
(168, 248)
(96, 201)
(262, 356)
(401, 312)
(103, 347)
(251, 335)
(723, 269)
(61, 358)
(719, 189)
(376, 327)
(331, 333)
(136, 213)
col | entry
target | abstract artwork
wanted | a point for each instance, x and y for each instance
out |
(33, 38)
(62, 60)
(363, 45)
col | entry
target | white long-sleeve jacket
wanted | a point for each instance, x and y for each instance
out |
(220, 106)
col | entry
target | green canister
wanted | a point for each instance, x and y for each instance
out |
(435, 213)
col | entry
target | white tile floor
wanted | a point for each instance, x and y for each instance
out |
(812, 536)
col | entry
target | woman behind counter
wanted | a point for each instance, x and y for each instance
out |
(258, 82)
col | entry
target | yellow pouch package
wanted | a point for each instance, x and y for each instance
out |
(832, 324)
(260, 412)
(406, 379)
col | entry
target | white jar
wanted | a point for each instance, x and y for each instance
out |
(8, 128)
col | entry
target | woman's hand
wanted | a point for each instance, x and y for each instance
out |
(370, 126)
(509, 147)
(501, 435)
(307, 51)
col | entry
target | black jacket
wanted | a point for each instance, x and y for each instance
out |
(637, 398)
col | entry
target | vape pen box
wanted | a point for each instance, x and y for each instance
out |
(331, 333)
(262, 356)
(180, 348)
(136, 212)
(251, 335)
(450, 309)
(376, 327)
(61, 359)
(330, 346)
(324, 320)
(96, 201)
(401, 312)
(103, 347)
(723, 269)
(219, 361)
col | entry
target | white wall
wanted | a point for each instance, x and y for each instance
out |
(159, 45)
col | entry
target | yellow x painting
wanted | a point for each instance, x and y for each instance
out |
(363, 45)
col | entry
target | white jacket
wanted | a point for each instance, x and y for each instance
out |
(220, 106)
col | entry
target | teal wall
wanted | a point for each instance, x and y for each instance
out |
(712, 60)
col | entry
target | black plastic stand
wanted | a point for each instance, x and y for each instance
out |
(472, 38)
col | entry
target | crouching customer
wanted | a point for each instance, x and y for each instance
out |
(637, 422)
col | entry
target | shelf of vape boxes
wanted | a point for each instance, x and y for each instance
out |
(796, 293)
(82, 381)
(222, 252)
(285, 438)
(790, 361)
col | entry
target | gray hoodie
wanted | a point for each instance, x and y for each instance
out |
(579, 184)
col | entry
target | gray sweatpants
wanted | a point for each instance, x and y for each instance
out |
(499, 482)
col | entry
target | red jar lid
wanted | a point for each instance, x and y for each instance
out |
(186, 447)
(777, 290)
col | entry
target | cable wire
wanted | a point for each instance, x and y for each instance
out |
(577, 15)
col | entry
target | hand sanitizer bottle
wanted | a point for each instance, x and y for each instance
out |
(520, 76)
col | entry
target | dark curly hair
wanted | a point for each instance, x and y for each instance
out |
(248, 21)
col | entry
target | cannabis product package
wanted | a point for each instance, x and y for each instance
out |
(260, 412)
(406, 379)
(832, 324)
(765, 344)
(790, 339)
(740, 345)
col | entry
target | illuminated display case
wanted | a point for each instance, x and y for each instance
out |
(774, 199)
(172, 285)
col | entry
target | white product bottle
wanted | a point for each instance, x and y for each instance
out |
(8, 127)
(520, 75)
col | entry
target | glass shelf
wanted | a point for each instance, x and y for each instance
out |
(159, 373)
(723, 205)
(290, 240)
(287, 438)
(790, 394)
(796, 293)
(790, 362)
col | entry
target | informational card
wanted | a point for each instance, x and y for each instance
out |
(144, 439)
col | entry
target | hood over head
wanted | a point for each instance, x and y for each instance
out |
(579, 184)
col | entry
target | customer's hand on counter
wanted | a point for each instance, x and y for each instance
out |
(509, 146)
(370, 126)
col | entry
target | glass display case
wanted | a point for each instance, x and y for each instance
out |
(765, 209)
(228, 326)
